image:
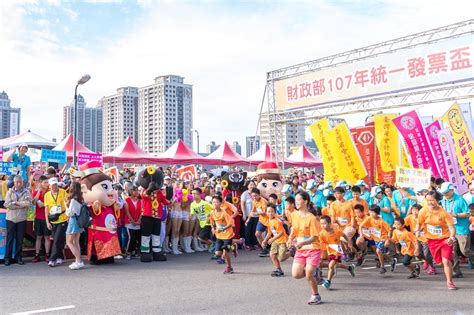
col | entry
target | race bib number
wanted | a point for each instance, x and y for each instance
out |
(403, 243)
(342, 221)
(302, 239)
(435, 229)
(274, 232)
(336, 247)
(259, 210)
(376, 232)
(455, 220)
(55, 209)
(202, 217)
(366, 232)
(403, 210)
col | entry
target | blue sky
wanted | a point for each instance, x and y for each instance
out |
(223, 48)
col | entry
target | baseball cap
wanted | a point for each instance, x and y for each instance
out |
(203, 175)
(310, 185)
(321, 187)
(286, 188)
(53, 181)
(360, 182)
(341, 183)
(23, 145)
(445, 187)
(327, 185)
(167, 177)
(375, 191)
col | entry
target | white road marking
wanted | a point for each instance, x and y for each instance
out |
(399, 264)
(45, 310)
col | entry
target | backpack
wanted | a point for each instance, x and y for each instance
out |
(84, 218)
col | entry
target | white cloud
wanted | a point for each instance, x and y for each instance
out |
(70, 13)
(224, 53)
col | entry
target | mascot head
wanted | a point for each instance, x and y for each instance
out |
(95, 185)
(234, 181)
(269, 179)
(150, 179)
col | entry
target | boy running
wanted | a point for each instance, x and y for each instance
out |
(222, 223)
(409, 246)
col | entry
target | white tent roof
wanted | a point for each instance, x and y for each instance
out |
(29, 138)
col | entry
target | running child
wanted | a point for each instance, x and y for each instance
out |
(330, 235)
(409, 246)
(359, 217)
(277, 238)
(221, 224)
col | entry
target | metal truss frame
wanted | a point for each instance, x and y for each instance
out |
(441, 93)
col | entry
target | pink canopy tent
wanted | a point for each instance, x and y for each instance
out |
(224, 155)
(67, 145)
(179, 153)
(303, 158)
(264, 154)
(128, 152)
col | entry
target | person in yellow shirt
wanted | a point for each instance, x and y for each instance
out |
(408, 245)
(259, 206)
(411, 221)
(304, 236)
(376, 229)
(56, 220)
(330, 235)
(277, 238)
(222, 223)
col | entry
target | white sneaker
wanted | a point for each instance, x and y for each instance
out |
(76, 266)
(118, 257)
(51, 263)
(73, 266)
(81, 264)
(59, 261)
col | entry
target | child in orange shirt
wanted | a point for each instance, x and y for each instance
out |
(409, 246)
(330, 235)
(222, 223)
(328, 209)
(359, 217)
(277, 238)
(376, 229)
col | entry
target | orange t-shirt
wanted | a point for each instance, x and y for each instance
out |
(435, 224)
(229, 208)
(275, 227)
(305, 227)
(342, 213)
(376, 230)
(411, 221)
(332, 240)
(406, 239)
(260, 208)
(327, 211)
(220, 220)
(358, 221)
(363, 203)
(288, 215)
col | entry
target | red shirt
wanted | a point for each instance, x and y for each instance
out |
(134, 210)
(153, 205)
(39, 213)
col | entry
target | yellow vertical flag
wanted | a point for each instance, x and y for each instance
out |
(349, 165)
(462, 139)
(386, 137)
(405, 162)
(319, 130)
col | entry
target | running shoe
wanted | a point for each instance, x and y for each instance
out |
(220, 260)
(413, 275)
(278, 273)
(377, 264)
(228, 270)
(36, 259)
(432, 271)
(327, 284)
(264, 253)
(76, 266)
(393, 265)
(360, 261)
(46, 259)
(314, 300)
(451, 286)
(425, 265)
(59, 261)
(51, 263)
(118, 257)
(383, 270)
(351, 270)
(73, 266)
(417, 270)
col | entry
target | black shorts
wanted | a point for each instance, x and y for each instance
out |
(223, 245)
(205, 233)
(41, 229)
(406, 260)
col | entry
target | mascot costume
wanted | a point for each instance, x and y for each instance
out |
(99, 195)
(269, 179)
(153, 200)
(233, 185)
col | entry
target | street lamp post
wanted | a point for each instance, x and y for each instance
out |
(81, 81)
(197, 134)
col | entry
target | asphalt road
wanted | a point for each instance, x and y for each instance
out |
(195, 284)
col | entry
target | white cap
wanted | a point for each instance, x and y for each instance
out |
(375, 191)
(53, 181)
(310, 184)
(445, 187)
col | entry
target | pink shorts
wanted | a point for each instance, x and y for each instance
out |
(308, 257)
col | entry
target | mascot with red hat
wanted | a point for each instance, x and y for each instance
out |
(269, 179)
(98, 193)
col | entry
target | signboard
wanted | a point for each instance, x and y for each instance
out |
(3, 233)
(53, 156)
(84, 157)
(450, 60)
(187, 173)
(5, 168)
(13, 124)
(415, 178)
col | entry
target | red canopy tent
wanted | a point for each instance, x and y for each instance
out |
(224, 155)
(303, 158)
(128, 152)
(67, 145)
(264, 154)
(179, 153)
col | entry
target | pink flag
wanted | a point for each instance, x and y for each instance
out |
(432, 133)
(410, 127)
(455, 173)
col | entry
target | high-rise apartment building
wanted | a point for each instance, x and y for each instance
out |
(237, 147)
(211, 147)
(252, 145)
(119, 117)
(293, 134)
(9, 118)
(165, 113)
(89, 124)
